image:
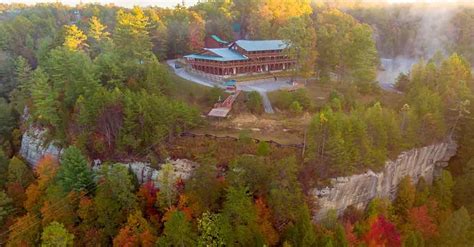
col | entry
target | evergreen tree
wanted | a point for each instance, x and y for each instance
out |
(422, 192)
(456, 230)
(414, 239)
(131, 34)
(464, 187)
(300, 37)
(255, 102)
(301, 232)
(263, 148)
(18, 172)
(203, 188)
(347, 48)
(114, 198)
(442, 190)
(250, 172)
(7, 120)
(167, 183)
(239, 222)
(405, 198)
(177, 231)
(5, 207)
(3, 169)
(74, 173)
(21, 95)
(46, 104)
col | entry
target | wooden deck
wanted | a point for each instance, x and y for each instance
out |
(222, 109)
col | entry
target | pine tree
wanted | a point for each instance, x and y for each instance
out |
(456, 230)
(45, 100)
(442, 190)
(114, 198)
(74, 172)
(263, 148)
(300, 37)
(5, 206)
(464, 187)
(21, 95)
(7, 120)
(18, 172)
(167, 183)
(203, 188)
(177, 231)
(131, 34)
(405, 198)
(301, 232)
(240, 219)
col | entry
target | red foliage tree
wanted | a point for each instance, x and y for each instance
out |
(137, 232)
(421, 221)
(382, 233)
(17, 193)
(147, 198)
(350, 236)
(126, 237)
(264, 222)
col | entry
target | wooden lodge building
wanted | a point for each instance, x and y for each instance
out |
(241, 57)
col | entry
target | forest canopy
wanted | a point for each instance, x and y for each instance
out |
(93, 80)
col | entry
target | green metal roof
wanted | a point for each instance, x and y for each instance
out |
(222, 55)
(216, 38)
(261, 45)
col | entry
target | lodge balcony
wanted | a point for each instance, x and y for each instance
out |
(235, 64)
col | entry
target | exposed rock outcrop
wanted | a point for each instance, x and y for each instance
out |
(183, 169)
(358, 190)
(34, 147)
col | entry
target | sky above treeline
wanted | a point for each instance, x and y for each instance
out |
(172, 3)
(124, 3)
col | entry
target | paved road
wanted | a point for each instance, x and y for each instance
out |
(184, 74)
(261, 86)
(267, 105)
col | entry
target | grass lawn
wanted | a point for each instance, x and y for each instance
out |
(261, 76)
(190, 92)
(318, 93)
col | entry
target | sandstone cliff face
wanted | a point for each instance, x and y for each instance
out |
(358, 190)
(183, 169)
(34, 147)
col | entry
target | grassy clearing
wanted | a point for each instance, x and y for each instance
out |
(190, 92)
(318, 93)
(313, 96)
(261, 76)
